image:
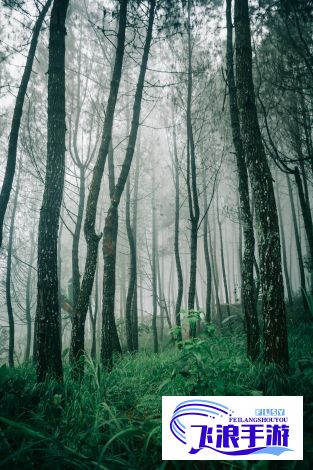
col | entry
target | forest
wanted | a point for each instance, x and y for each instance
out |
(156, 232)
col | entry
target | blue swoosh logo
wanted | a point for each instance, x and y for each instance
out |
(274, 450)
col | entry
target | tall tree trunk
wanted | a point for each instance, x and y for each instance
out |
(162, 300)
(17, 116)
(160, 296)
(59, 264)
(283, 245)
(274, 314)
(306, 213)
(48, 321)
(132, 273)
(8, 276)
(219, 224)
(122, 291)
(81, 189)
(192, 189)
(134, 230)
(28, 299)
(93, 352)
(208, 267)
(180, 285)
(109, 339)
(248, 294)
(92, 239)
(299, 253)
(141, 298)
(215, 280)
(154, 269)
(76, 237)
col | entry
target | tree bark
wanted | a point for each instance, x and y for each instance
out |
(132, 273)
(17, 116)
(306, 213)
(299, 253)
(92, 239)
(93, 352)
(248, 293)
(219, 223)
(283, 246)
(162, 300)
(154, 270)
(48, 322)
(274, 315)
(76, 237)
(208, 267)
(180, 285)
(8, 277)
(215, 280)
(109, 339)
(192, 189)
(134, 230)
(28, 300)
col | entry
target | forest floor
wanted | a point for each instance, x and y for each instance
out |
(113, 420)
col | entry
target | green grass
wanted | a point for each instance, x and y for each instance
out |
(113, 420)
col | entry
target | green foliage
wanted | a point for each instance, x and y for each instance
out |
(112, 420)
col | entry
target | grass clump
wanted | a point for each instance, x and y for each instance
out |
(112, 420)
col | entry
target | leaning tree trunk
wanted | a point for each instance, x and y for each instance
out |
(274, 314)
(16, 120)
(47, 314)
(109, 339)
(8, 278)
(92, 239)
(248, 292)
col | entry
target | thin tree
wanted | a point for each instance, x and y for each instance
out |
(283, 246)
(28, 298)
(92, 239)
(154, 267)
(17, 116)
(134, 314)
(109, 339)
(208, 267)
(193, 202)
(132, 273)
(8, 276)
(180, 284)
(299, 252)
(220, 232)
